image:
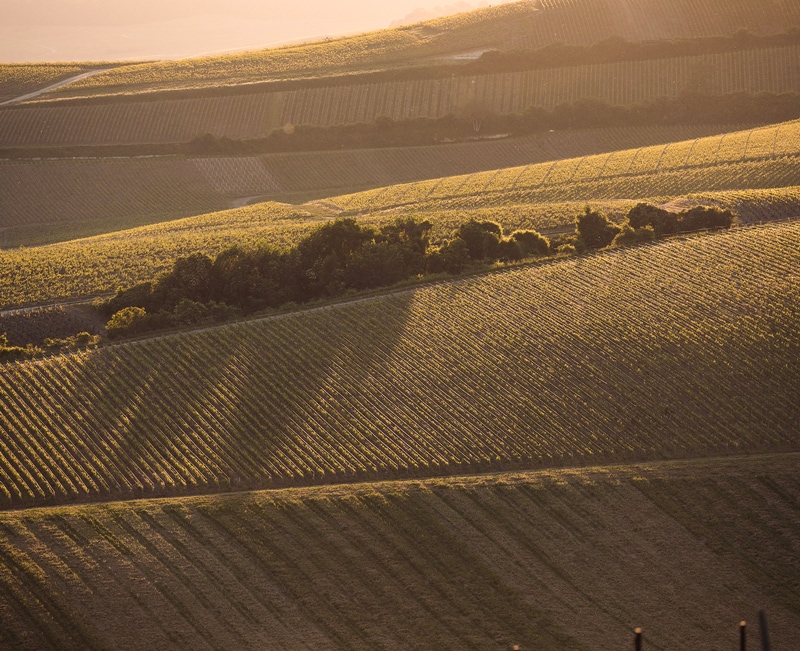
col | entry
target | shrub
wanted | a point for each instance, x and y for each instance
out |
(629, 236)
(531, 243)
(482, 239)
(662, 221)
(128, 321)
(595, 229)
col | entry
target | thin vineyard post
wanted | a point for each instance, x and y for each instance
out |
(637, 640)
(743, 636)
(762, 621)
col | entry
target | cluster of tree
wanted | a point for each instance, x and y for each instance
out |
(338, 257)
(51, 346)
(343, 256)
(644, 222)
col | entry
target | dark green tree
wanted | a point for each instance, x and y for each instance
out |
(595, 229)
(482, 239)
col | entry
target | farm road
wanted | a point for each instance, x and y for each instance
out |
(70, 80)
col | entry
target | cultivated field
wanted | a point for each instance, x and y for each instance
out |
(517, 25)
(536, 455)
(18, 79)
(98, 265)
(44, 201)
(753, 158)
(775, 69)
(547, 560)
(631, 355)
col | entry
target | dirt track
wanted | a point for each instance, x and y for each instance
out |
(41, 91)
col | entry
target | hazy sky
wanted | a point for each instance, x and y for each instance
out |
(94, 30)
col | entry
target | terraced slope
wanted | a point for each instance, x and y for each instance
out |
(165, 120)
(548, 560)
(56, 200)
(517, 25)
(684, 349)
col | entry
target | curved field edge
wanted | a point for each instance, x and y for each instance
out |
(99, 265)
(570, 559)
(682, 349)
(59, 200)
(704, 162)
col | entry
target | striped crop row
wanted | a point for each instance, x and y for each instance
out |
(589, 21)
(251, 116)
(548, 560)
(101, 195)
(772, 148)
(101, 264)
(681, 349)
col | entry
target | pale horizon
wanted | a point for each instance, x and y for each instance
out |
(36, 31)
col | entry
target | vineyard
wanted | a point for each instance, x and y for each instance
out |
(476, 374)
(582, 21)
(20, 79)
(534, 454)
(775, 70)
(548, 560)
(101, 264)
(512, 26)
(388, 48)
(754, 158)
(53, 200)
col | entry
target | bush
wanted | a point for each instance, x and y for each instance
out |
(661, 221)
(128, 321)
(531, 243)
(664, 222)
(702, 217)
(454, 256)
(482, 239)
(595, 229)
(629, 236)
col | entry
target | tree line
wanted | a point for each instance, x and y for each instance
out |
(691, 107)
(475, 119)
(344, 256)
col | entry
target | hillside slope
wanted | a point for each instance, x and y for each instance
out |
(255, 114)
(519, 25)
(43, 201)
(552, 561)
(682, 349)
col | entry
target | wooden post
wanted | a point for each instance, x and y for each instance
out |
(743, 636)
(637, 642)
(762, 620)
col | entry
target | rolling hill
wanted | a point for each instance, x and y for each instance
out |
(547, 560)
(537, 455)
(630, 355)
(752, 172)
(49, 201)
(518, 25)
(168, 119)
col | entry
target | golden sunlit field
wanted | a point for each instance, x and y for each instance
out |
(373, 381)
